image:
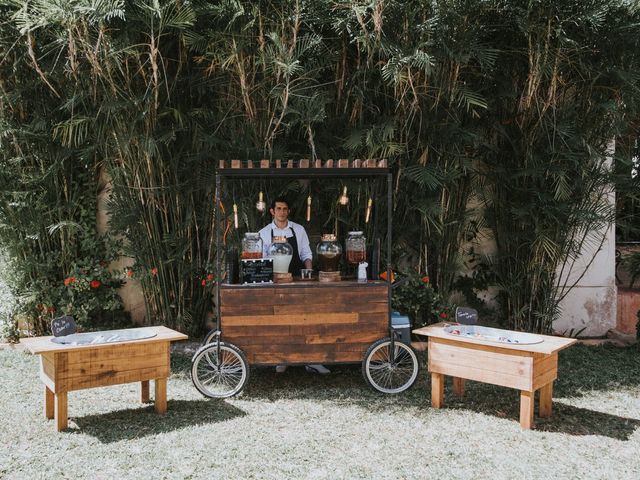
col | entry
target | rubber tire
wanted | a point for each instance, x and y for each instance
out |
(365, 362)
(209, 337)
(197, 357)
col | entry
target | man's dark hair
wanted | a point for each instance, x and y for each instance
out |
(279, 200)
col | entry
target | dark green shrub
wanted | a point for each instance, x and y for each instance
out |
(416, 298)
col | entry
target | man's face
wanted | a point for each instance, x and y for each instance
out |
(280, 212)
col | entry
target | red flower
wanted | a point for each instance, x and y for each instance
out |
(425, 279)
(95, 284)
(204, 283)
(51, 309)
(130, 273)
(211, 277)
(154, 271)
(69, 280)
(443, 315)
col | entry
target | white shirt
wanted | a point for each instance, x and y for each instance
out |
(304, 249)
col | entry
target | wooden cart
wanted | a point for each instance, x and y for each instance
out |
(303, 322)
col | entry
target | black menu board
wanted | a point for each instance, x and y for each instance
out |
(257, 271)
(466, 316)
(63, 326)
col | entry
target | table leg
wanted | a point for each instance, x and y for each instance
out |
(526, 409)
(144, 391)
(437, 390)
(62, 422)
(458, 386)
(161, 395)
(546, 393)
(48, 403)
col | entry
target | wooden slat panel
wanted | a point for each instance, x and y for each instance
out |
(378, 327)
(545, 370)
(256, 341)
(305, 348)
(337, 329)
(302, 358)
(321, 318)
(261, 297)
(328, 340)
(492, 347)
(110, 366)
(60, 364)
(231, 331)
(47, 365)
(118, 351)
(545, 378)
(479, 374)
(246, 309)
(490, 361)
(330, 307)
(365, 337)
(481, 365)
(115, 378)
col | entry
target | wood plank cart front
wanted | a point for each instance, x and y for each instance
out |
(64, 368)
(527, 368)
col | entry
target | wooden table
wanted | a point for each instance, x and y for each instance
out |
(64, 368)
(527, 368)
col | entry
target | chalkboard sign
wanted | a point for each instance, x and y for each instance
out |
(63, 326)
(257, 271)
(466, 316)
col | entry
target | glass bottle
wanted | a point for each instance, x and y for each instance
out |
(356, 248)
(251, 246)
(329, 252)
(281, 252)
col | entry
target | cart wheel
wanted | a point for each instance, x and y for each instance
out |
(219, 378)
(387, 372)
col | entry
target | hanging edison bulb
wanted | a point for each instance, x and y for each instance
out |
(309, 208)
(235, 216)
(343, 200)
(368, 214)
(261, 206)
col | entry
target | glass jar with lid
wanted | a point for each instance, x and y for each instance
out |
(356, 248)
(251, 246)
(281, 252)
(329, 253)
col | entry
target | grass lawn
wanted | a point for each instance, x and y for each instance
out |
(300, 425)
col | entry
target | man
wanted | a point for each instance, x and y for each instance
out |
(299, 241)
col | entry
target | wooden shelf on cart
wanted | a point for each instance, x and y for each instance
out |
(303, 168)
(297, 283)
(304, 163)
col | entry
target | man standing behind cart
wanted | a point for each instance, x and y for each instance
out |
(299, 241)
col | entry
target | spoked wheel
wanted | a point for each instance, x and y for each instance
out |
(220, 375)
(387, 371)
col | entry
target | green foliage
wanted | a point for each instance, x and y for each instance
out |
(495, 117)
(415, 297)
